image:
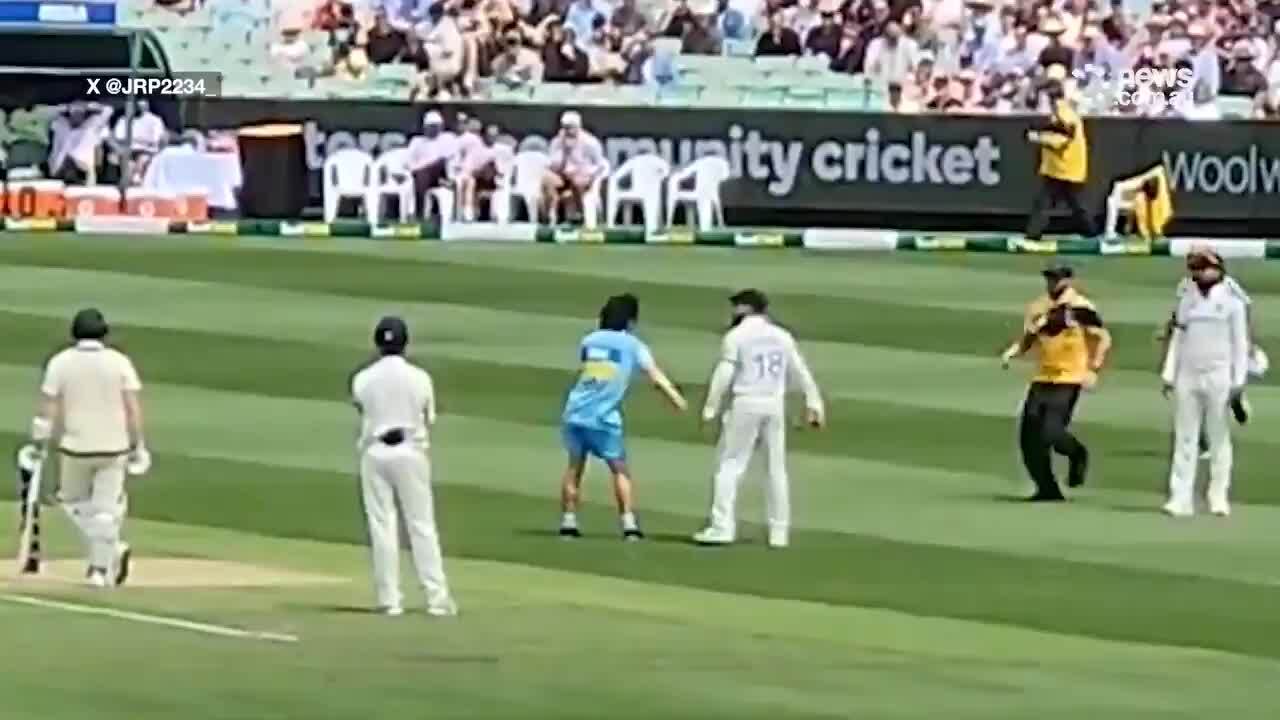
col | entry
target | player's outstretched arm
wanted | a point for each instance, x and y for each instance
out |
(668, 388)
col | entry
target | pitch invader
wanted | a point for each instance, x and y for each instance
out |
(592, 417)
(758, 362)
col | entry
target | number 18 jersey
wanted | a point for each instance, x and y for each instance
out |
(608, 359)
(765, 360)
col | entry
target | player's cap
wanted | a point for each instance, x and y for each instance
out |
(391, 334)
(571, 118)
(89, 324)
(1058, 270)
(433, 118)
(752, 298)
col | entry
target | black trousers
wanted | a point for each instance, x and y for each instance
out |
(1053, 191)
(1046, 415)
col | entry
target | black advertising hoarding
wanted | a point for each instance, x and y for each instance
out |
(832, 163)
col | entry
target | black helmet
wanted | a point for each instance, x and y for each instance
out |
(391, 335)
(89, 324)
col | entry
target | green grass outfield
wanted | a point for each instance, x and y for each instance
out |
(914, 588)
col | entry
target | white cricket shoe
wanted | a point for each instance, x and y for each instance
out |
(391, 610)
(98, 578)
(1179, 510)
(712, 536)
(779, 539)
(1221, 508)
(448, 608)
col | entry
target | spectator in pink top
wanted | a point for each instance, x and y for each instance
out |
(577, 159)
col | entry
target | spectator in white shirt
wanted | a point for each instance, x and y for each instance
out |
(290, 51)
(577, 160)
(445, 46)
(482, 163)
(145, 138)
(78, 131)
(430, 155)
(891, 57)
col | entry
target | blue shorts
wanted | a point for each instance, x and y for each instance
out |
(581, 441)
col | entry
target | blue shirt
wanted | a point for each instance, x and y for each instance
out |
(608, 360)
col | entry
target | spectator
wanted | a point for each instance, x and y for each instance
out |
(825, 38)
(628, 19)
(849, 57)
(415, 53)
(891, 57)
(430, 155)
(385, 42)
(636, 53)
(145, 134)
(577, 159)
(779, 40)
(1074, 18)
(353, 64)
(290, 51)
(805, 16)
(581, 18)
(1018, 56)
(898, 102)
(517, 65)
(731, 22)
(77, 131)
(701, 38)
(1203, 103)
(480, 166)
(675, 24)
(980, 43)
(603, 58)
(445, 48)
(1241, 76)
(1055, 53)
(562, 59)
(333, 15)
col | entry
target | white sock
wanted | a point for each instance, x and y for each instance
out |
(629, 521)
(569, 520)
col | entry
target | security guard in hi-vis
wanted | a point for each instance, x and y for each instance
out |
(1064, 160)
(1071, 343)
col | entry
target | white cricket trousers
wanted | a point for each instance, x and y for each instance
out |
(1200, 402)
(401, 475)
(742, 430)
(91, 492)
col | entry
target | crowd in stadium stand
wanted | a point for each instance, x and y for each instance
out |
(928, 55)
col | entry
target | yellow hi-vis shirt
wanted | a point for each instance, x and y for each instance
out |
(1152, 213)
(1064, 151)
(1061, 341)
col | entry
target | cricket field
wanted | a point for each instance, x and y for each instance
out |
(914, 588)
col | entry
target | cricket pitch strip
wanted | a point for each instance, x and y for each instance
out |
(157, 572)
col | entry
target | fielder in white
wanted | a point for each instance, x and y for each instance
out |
(758, 362)
(90, 406)
(397, 405)
(1205, 371)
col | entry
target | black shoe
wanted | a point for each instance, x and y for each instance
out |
(570, 532)
(123, 564)
(632, 535)
(1240, 409)
(1049, 496)
(1079, 471)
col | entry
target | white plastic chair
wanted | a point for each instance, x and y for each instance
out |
(646, 174)
(522, 182)
(347, 174)
(707, 174)
(591, 202)
(391, 176)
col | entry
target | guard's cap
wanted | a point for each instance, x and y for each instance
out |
(571, 119)
(752, 298)
(391, 333)
(433, 118)
(1057, 270)
(89, 324)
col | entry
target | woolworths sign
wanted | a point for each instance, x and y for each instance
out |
(1245, 173)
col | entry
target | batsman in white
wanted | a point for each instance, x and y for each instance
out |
(397, 405)
(90, 406)
(1205, 371)
(758, 362)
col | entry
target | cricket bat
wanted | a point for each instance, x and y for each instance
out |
(30, 469)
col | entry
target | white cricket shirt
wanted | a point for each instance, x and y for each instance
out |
(759, 361)
(91, 379)
(1210, 335)
(393, 393)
